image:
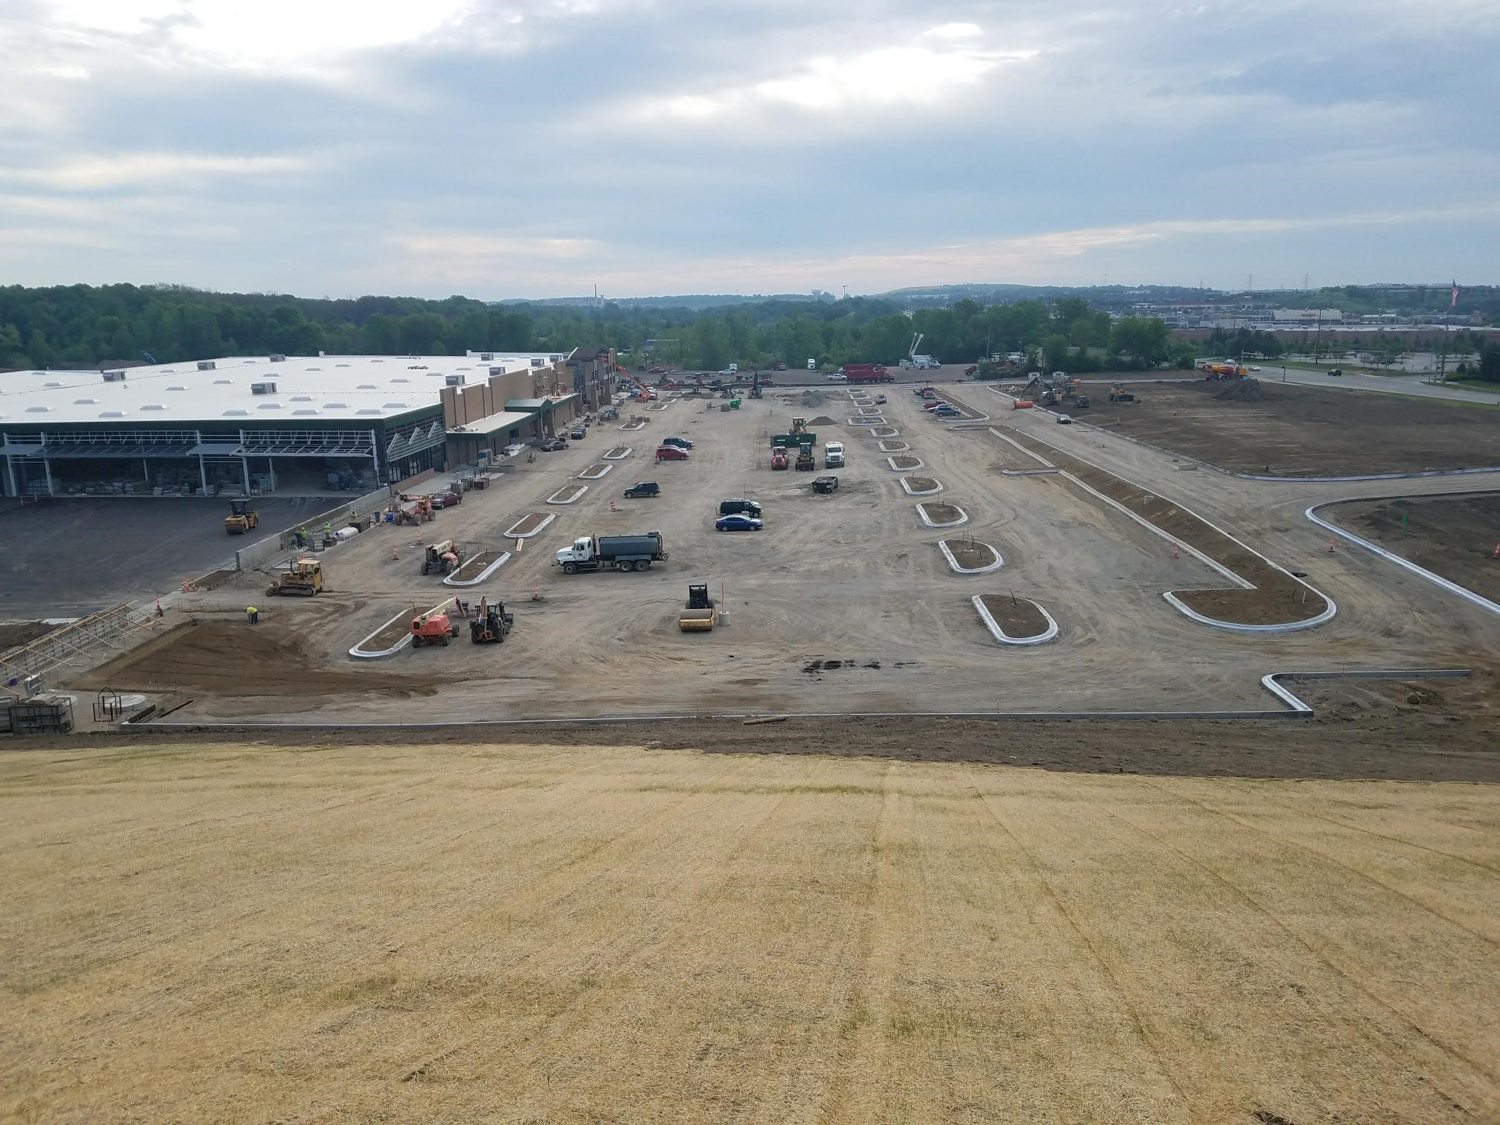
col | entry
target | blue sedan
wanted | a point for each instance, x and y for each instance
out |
(737, 523)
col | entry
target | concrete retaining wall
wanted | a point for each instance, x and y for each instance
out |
(269, 549)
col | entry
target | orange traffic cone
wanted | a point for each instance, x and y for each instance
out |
(1174, 550)
(1496, 555)
(1330, 544)
(394, 555)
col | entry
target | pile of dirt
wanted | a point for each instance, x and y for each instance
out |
(235, 658)
(813, 398)
(1247, 390)
(821, 420)
(969, 554)
(1018, 618)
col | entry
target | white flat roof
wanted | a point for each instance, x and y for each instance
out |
(349, 390)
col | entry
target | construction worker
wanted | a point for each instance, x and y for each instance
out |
(252, 615)
(327, 530)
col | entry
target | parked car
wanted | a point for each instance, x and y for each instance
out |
(739, 506)
(837, 377)
(512, 450)
(737, 523)
(1337, 371)
(946, 411)
(658, 371)
(779, 367)
(578, 433)
(934, 404)
(671, 453)
(643, 488)
(1255, 367)
(679, 442)
(880, 400)
(1064, 420)
(551, 445)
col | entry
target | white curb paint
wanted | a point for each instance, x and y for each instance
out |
(963, 518)
(953, 562)
(891, 461)
(1421, 572)
(579, 495)
(1000, 635)
(454, 580)
(616, 456)
(541, 527)
(910, 491)
(595, 476)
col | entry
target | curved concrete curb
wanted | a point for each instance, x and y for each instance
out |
(1285, 627)
(541, 527)
(578, 495)
(454, 580)
(890, 446)
(1003, 637)
(893, 433)
(1233, 578)
(891, 461)
(1272, 683)
(1028, 472)
(1406, 564)
(595, 476)
(616, 456)
(360, 653)
(910, 491)
(966, 571)
(866, 421)
(963, 518)
(633, 426)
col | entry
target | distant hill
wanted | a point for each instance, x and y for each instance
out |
(1100, 296)
(696, 301)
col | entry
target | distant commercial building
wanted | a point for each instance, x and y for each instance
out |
(253, 423)
(1291, 317)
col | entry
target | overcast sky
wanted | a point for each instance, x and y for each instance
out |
(541, 147)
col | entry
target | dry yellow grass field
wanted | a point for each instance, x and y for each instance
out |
(535, 933)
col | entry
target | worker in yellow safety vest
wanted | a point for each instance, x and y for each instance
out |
(252, 615)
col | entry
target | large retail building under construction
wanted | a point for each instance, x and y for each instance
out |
(283, 423)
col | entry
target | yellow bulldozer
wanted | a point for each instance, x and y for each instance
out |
(303, 578)
(241, 518)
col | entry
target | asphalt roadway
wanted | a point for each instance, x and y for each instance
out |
(71, 557)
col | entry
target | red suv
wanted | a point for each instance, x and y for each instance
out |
(671, 453)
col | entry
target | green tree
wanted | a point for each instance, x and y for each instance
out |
(1055, 351)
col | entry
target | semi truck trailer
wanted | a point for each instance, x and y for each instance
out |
(611, 552)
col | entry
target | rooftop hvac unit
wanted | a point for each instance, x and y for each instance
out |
(205, 365)
(277, 358)
(538, 361)
(453, 380)
(114, 376)
(497, 371)
(263, 388)
(486, 356)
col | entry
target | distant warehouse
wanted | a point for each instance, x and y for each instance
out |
(263, 423)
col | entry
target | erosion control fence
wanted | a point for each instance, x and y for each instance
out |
(272, 547)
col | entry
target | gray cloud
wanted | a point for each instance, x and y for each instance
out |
(539, 147)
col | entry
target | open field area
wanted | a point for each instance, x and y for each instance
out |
(1455, 536)
(1302, 431)
(71, 557)
(319, 933)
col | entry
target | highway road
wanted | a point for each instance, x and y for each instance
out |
(1384, 384)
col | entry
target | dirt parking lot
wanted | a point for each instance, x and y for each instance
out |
(211, 932)
(1455, 536)
(1293, 431)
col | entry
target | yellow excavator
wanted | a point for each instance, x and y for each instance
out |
(242, 518)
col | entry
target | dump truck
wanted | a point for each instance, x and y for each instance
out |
(612, 552)
(698, 614)
(303, 578)
(806, 462)
(867, 373)
(242, 518)
(491, 625)
(442, 557)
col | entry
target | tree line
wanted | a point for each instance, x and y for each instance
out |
(83, 326)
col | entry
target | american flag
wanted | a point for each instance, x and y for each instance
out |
(1453, 297)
